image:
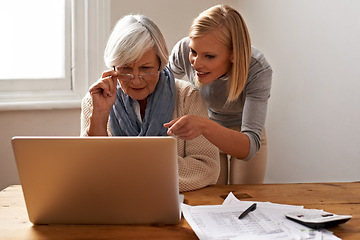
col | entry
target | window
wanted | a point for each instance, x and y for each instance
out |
(51, 51)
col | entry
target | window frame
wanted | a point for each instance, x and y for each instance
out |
(38, 85)
(90, 28)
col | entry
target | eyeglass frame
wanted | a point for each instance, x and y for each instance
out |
(140, 76)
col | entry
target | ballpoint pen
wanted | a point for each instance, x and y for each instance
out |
(246, 212)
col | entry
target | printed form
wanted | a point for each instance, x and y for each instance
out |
(266, 222)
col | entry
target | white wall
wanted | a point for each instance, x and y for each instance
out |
(313, 118)
(54, 122)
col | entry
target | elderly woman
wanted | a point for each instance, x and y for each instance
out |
(138, 95)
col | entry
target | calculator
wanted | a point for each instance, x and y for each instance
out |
(314, 218)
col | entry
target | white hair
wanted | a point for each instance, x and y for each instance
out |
(132, 36)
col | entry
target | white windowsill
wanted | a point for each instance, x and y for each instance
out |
(52, 100)
(40, 105)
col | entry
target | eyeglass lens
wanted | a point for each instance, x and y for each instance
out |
(143, 77)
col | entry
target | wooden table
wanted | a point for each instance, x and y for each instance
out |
(339, 198)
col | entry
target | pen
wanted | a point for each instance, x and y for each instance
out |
(246, 212)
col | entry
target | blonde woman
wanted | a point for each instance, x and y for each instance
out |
(138, 94)
(234, 78)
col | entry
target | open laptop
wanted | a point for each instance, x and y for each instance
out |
(99, 180)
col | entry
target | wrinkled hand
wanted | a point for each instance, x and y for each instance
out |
(186, 127)
(103, 92)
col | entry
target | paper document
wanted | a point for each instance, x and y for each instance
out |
(266, 222)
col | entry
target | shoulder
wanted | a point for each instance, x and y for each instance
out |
(189, 99)
(258, 60)
(259, 69)
(259, 76)
(185, 88)
(181, 48)
(183, 43)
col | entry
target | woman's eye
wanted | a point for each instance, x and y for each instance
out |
(210, 56)
(125, 69)
(192, 51)
(146, 69)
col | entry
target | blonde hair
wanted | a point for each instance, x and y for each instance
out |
(232, 31)
(132, 36)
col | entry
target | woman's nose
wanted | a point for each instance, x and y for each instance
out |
(136, 79)
(196, 62)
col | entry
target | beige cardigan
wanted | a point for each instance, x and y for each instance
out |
(199, 164)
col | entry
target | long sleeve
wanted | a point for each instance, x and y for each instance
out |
(257, 92)
(199, 164)
(86, 111)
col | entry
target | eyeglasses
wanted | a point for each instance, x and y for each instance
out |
(142, 77)
(125, 77)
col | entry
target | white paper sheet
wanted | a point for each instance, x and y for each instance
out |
(266, 222)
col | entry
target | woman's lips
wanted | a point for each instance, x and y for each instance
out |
(137, 90)
(202, 74)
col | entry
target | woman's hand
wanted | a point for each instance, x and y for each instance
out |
(186, 127)
(229, 141)
(103, 95)
(103, 92)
